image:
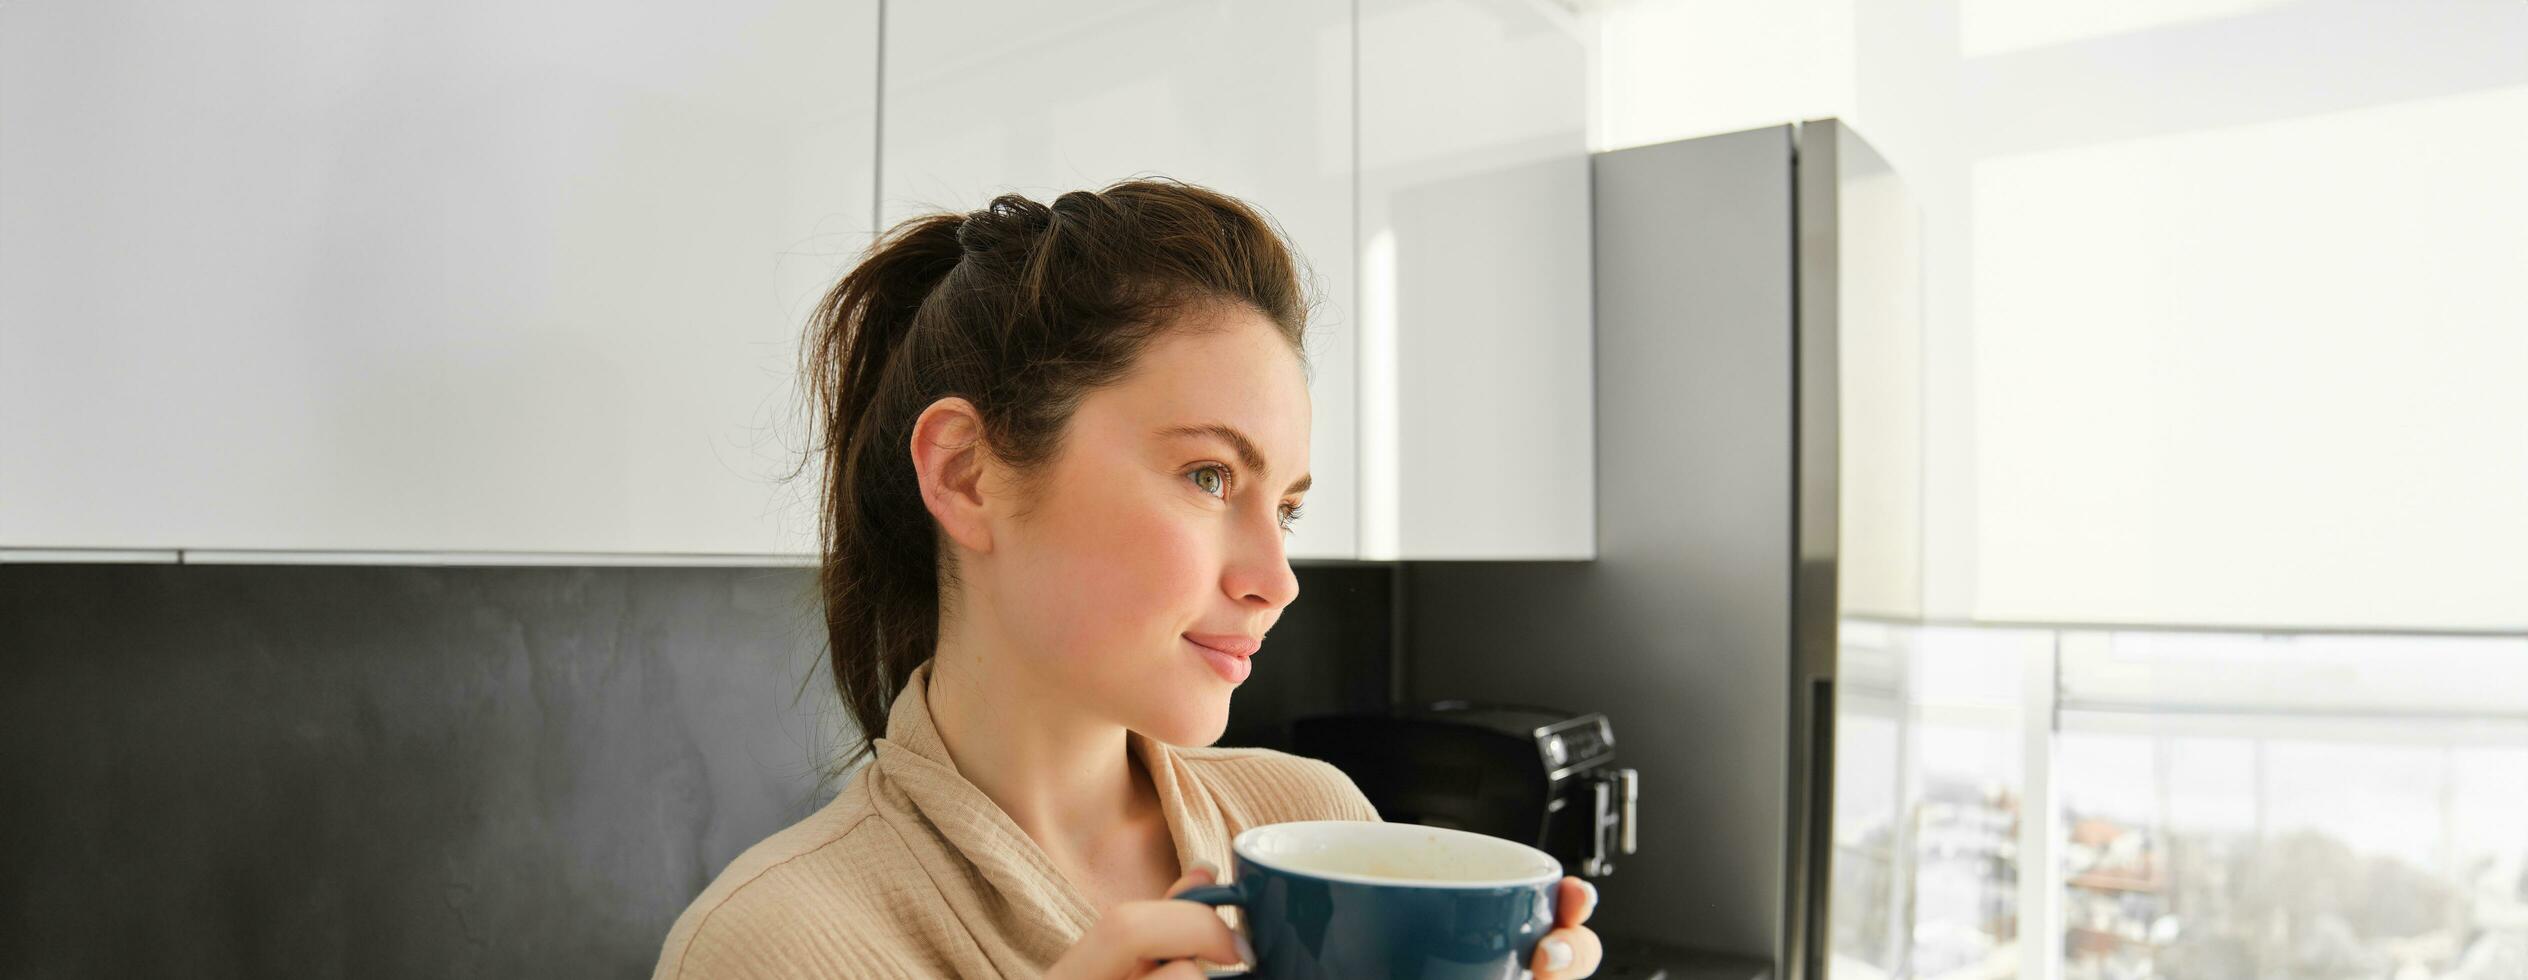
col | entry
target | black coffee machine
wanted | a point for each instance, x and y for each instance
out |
(1521, 772)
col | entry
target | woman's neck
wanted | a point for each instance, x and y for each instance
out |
(1068, 781)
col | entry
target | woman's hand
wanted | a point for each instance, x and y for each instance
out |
(1580, 950)
(1135, 940)
(1140, 939)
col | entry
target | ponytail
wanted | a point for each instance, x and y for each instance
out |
(857, 330)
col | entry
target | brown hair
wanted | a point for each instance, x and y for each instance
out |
(1023, 310)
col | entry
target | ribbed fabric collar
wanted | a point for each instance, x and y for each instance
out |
(1038, 900)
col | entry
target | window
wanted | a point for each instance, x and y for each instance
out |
(2192, 805)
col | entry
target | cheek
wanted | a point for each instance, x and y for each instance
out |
(1122, 575)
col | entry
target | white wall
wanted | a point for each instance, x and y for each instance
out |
(2268, 373)
(2225, 323)
(1670, 69)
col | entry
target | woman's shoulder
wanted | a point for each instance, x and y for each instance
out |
(1272, 786)
(817, 892)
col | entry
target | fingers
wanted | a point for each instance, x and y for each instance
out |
(1179, 970)
(1133, 933)
(1577, 956)
(1577, 900)
(1200, 874)
(1571, 950)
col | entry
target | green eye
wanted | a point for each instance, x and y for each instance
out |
(1219, 485)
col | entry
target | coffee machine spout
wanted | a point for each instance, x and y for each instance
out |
(1617, 794)
(1628, 816)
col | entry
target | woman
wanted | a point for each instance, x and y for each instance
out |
(1063, 447)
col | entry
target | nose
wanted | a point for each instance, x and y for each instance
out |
(1259, 568)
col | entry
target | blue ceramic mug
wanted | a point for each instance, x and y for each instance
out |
(1353, 898)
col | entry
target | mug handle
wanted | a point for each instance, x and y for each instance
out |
(1217, 895)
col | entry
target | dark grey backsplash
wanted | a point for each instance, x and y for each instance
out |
(484, 771)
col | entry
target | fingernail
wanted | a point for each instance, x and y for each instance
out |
(1246, 951)
(1593, 892)
(1557, 954)
(1205, 867)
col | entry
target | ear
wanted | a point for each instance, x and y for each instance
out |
(954, 467)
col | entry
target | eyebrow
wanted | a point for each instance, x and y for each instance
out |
(1238, 441)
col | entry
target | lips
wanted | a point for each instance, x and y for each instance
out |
(1232, 666)
(1233, 644)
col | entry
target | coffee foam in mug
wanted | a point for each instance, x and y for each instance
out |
(1400, 853)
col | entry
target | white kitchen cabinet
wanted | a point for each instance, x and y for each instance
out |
(326, 278)
(293, 281)
(1449, 238)
(1253, 100)
(1476, 414)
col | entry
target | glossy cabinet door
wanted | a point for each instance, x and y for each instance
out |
(1252, 99)
(1476, 410)
(288, 276)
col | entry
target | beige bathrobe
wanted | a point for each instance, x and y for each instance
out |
(912, 872)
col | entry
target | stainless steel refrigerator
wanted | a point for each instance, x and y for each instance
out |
(1758, 425)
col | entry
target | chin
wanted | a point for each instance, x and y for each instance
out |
(1190, 730)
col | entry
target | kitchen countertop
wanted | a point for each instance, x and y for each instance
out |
(1636, 959)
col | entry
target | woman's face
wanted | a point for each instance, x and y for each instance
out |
(1149, 530)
